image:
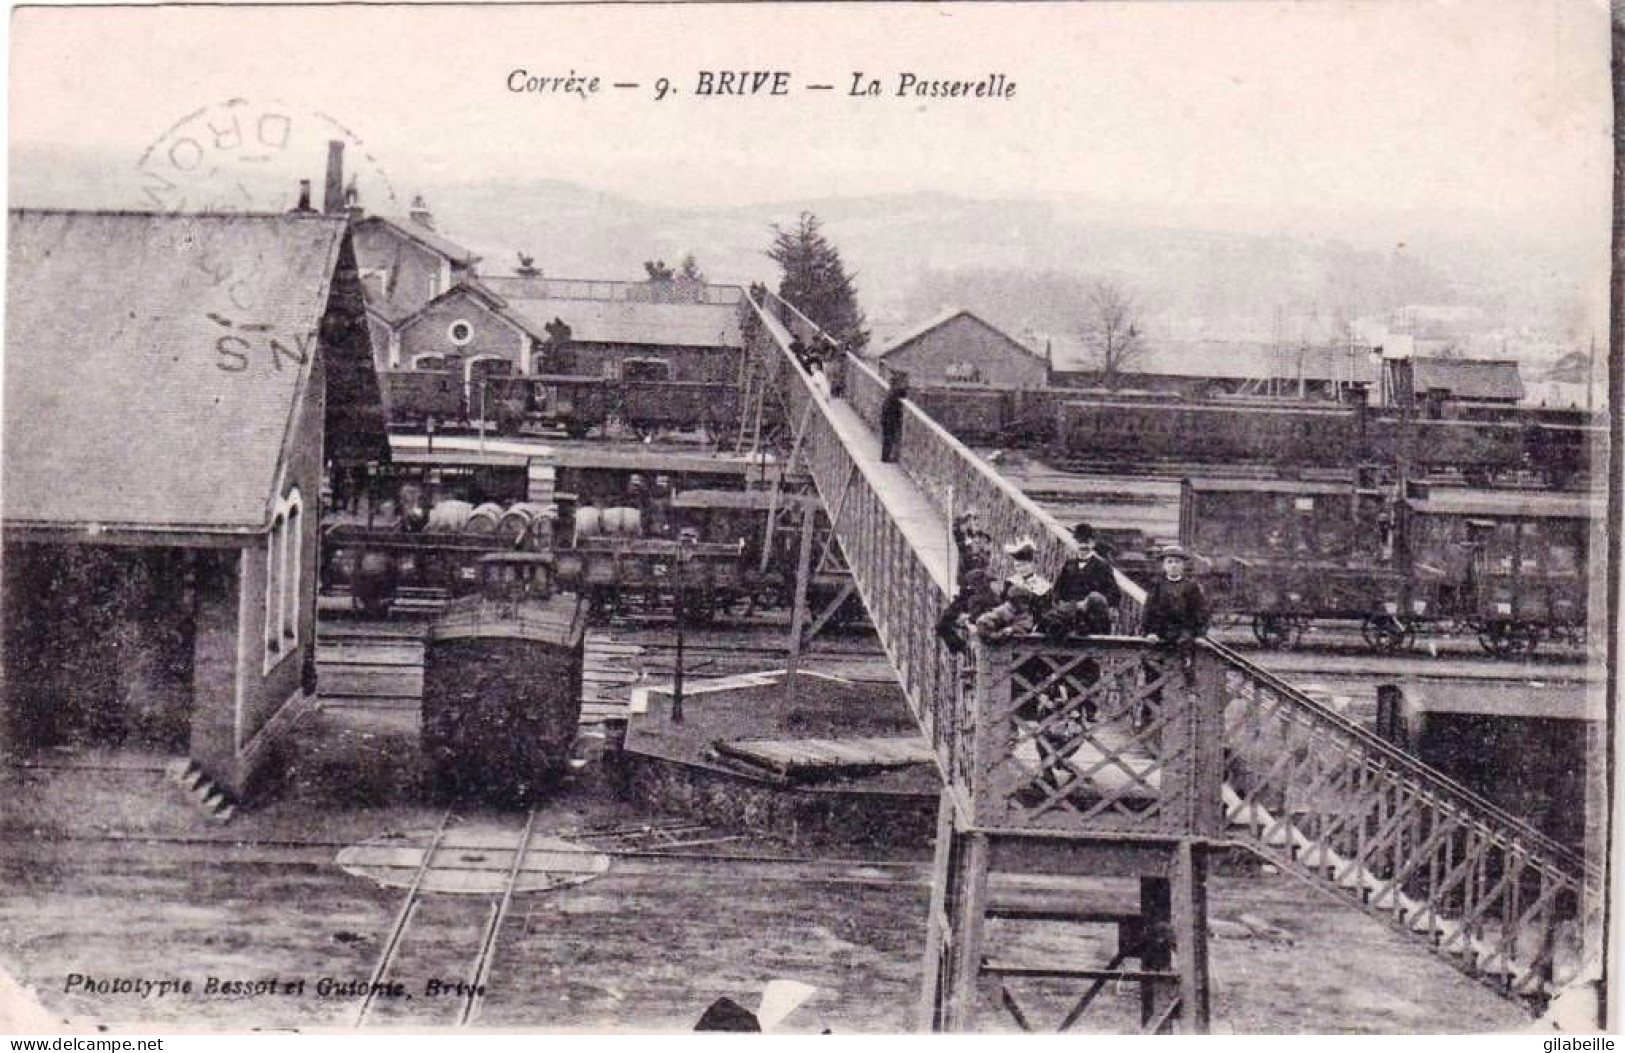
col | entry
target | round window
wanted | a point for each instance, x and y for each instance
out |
(460, 332)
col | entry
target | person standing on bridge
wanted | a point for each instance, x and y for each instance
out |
(891, 418)
(1175, 614)
(976, 591)
(835, 369)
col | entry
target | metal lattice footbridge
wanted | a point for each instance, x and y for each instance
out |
(1100, 758)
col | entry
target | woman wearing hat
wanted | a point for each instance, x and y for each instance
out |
(1025, 594)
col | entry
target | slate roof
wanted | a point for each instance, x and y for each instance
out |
(117, 410)
(482, 294)
(1470, 378)
(910, 335)
(429, 239)
(627, 322)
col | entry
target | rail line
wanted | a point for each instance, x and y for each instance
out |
(481, 972)
(471, 993)
(409, 905)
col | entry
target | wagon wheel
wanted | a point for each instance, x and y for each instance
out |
(1385, 632)
(700, 608)
(1504, 639)
(1273, 630)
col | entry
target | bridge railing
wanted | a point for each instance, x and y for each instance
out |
(1303, 785)
(904, 596)
(1100, 735)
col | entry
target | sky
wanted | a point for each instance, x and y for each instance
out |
(1463, 112)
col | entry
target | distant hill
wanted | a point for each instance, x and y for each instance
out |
(1012, 261)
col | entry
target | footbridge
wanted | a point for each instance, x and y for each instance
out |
(1100, 759)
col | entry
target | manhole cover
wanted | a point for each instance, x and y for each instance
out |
(475, 860)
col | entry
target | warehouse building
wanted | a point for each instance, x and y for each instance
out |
(957, 347)
(173, 387)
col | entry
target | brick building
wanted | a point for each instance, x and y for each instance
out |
(959, 347)
(164, 440)
(670, 330)
(405, 263)
(468, 324)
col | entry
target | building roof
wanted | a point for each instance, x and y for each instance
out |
(432, 240)
(1540, 504)
(387, 311)
(122, 404)
(908, 336)
(1470, 378)
(482, 294)
(537, 287)
(628, 322)
(1230, 360)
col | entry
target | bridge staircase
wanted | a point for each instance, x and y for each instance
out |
(1072, 767)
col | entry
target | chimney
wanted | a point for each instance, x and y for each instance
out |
(333, 193)
(352, 201)
(420, 213)
(304, 198)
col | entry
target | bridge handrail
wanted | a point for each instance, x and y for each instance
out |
(944, 463)
(1478, 809)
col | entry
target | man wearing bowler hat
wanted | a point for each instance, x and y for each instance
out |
(1086, 591)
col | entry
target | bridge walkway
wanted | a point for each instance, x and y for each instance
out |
(1084, 756)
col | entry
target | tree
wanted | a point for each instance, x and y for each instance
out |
(658, 271)
(1111, 331)
(691, 271)
(816, 282)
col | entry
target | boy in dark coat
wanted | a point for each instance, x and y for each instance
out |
(1175, 606)
(1175, 614)
(975, 591)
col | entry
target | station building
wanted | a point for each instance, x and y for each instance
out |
(650, 330)
(958, 347)
(173, 387)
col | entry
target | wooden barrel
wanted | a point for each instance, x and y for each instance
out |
(449, 517)
(484, 519)
(589, 521)
(623, 522)
(526, 516)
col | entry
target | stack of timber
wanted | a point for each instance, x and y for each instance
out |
(608, 673)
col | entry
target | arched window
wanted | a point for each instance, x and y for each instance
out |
(284, 571)
(273, 588)
(292, 579)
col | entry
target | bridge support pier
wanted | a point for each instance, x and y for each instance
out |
(1151, 893)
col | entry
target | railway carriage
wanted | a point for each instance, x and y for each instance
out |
(1128, 430)
(1481, 444)
(1511, 567)
(1286, 553)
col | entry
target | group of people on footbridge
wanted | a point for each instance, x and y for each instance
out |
(1084, 600)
